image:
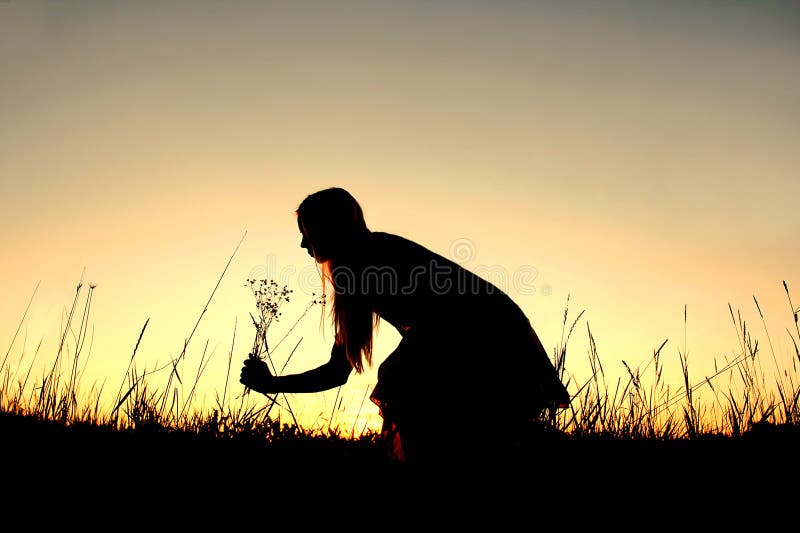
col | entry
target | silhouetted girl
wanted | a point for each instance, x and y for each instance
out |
(469, 375)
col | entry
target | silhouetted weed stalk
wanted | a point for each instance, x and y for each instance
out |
(269, 299)
(640, 405)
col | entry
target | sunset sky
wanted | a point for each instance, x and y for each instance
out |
(638, 156)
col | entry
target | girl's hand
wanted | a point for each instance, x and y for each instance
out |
(256, 376)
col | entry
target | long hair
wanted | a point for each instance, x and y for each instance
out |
(333, 219)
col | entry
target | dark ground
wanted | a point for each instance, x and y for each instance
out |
(590, 475)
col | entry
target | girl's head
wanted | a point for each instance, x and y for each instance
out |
(333, 229)
(331, 222)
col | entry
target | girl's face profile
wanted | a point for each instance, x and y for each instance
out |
(330, 228)
(313, 242)
(304, 244)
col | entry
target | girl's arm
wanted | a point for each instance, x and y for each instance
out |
(256, 375)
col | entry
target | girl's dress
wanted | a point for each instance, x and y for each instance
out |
(470, 374)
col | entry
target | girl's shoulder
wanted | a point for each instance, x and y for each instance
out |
(392, 249)
(386, 238)
(381, 240)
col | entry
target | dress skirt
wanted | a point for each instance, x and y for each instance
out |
(457, 392)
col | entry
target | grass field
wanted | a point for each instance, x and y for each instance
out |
(632, 434)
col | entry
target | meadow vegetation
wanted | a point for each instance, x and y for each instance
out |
(40, 413)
